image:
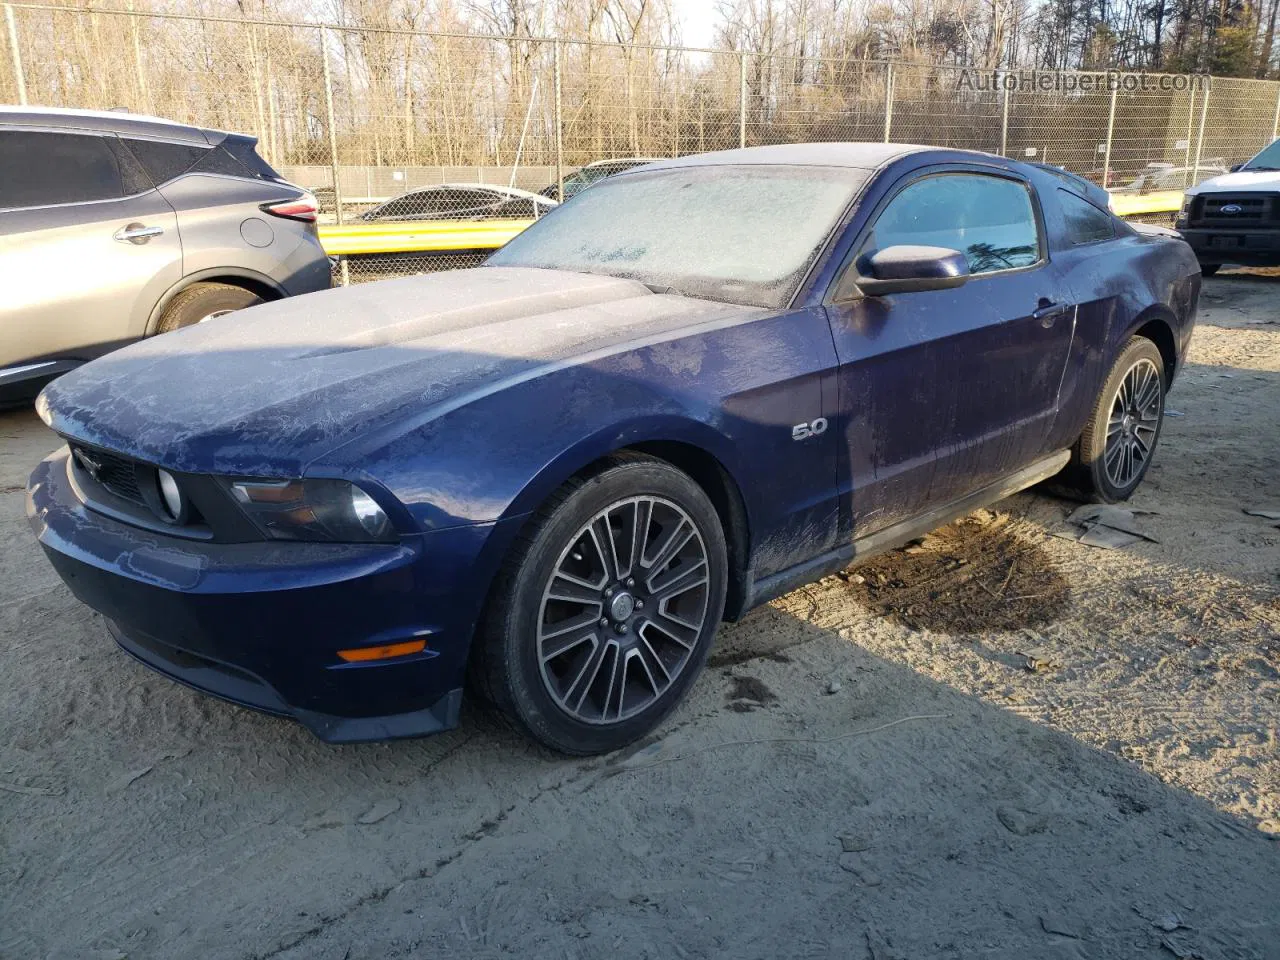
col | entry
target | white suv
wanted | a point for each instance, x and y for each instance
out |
(1235, 218)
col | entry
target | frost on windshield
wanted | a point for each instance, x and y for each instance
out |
(739, 234)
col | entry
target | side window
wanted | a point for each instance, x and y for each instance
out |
(464, 201)
(163, 161)
(517, 208)
(242, 148)
(235, 157)
(988, 219)
(402, 207)
(1085, 222)
(39, 169)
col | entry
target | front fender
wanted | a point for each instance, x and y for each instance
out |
(640, 429)
(501, 456)
(734, 392)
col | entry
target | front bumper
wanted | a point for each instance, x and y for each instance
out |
(1259, 248)
(260, 624)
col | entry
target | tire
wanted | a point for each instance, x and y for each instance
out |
(1209, 269)
(557, 685)
(1105, 472)
(201, 301)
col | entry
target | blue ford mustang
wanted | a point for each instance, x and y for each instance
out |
(695, 386)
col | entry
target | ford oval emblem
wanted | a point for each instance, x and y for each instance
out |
(1231, 208)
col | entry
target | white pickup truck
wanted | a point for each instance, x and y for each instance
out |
(1235, 218)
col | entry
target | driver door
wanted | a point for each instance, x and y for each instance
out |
(945, 391)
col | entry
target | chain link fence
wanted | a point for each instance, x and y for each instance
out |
(397, 128)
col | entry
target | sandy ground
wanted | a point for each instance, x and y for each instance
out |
(869, 769)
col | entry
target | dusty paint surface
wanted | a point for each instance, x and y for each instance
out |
(1098, 809)
(304, 375)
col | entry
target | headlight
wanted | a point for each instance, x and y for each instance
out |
(320, 509)
(1185, 209)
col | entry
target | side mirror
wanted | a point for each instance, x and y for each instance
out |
(1236, 168)
(908, 269)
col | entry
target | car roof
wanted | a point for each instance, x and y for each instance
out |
(864, 156)
(635, 160)
(109, 121)
(495, 187)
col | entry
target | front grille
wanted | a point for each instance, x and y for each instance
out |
(119, 475)
(1243, 209)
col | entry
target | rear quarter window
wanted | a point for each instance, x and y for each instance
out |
(163, 160)
(1085, 223)
(234, 157)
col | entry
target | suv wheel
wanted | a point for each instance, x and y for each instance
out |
(204, 301)
(1209, 269)
(601, 618)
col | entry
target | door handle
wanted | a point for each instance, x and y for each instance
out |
(1048, 312)
(137, 233)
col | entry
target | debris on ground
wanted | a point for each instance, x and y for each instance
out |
(854, 843)
(1105, 526)
(1060, 926)
(128, 777)
(380, 811)
(1039, 659)
(1267, 513)
(835, 686)
(1020, 822)
(1181, 950)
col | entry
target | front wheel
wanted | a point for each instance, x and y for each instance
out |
(601, 618)
(1114, 452)
(1209, 269)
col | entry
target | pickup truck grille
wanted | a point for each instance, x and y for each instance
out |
(1231, 209)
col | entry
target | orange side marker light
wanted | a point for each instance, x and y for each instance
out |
(363, 654)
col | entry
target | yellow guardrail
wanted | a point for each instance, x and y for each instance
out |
(444, 236)
(1135, 204)
(424, 236)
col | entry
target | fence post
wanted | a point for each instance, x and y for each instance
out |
(1111, 128)
(18, 75)
(559, 118)
(1004, 118)
(333, 142)
(1191, 120)
(888, 101)
(1204, 110)
(1275, 121)
(742, 99)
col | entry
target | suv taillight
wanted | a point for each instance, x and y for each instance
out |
(302, 208)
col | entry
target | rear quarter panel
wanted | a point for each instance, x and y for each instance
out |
(222, 227)
(1118, 285)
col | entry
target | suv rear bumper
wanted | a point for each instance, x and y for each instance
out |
(1217, 245)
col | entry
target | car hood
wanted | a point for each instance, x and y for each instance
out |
(1241, 180)
(269, 390)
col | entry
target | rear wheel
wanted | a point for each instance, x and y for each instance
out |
(204, 301)
(602, 617)
(1114, 452)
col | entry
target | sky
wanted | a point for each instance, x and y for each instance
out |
(697, 21)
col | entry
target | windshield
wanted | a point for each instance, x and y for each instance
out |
(737, 234)
(1268, 159)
